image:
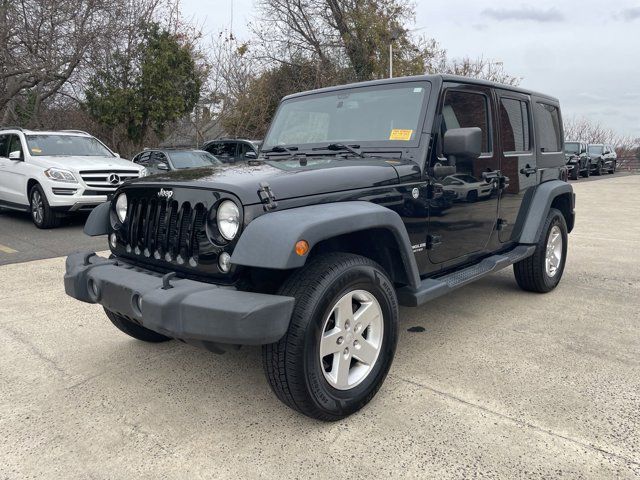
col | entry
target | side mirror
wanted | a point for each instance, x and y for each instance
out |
(462, 142)
(250, 155)
(162, 166)
(17, 155)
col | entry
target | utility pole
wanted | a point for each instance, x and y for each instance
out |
(395, 34)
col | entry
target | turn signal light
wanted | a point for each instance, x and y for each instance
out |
(302, 247)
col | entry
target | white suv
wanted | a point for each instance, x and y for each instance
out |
(50, 174)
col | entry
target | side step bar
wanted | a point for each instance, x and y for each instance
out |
(431, 288)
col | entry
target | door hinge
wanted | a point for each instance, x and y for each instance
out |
(433, 241)
(267, 197)
(501, 224)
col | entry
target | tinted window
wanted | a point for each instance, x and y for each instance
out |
(4, 144)
(243, 148)
(464, 109)
(514, 125)
(143, 158)
(15, 145)
(549, 128)
(222, 149)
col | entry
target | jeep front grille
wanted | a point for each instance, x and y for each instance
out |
(166, 230)
(107, 180)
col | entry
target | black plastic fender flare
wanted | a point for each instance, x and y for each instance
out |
(98, 222)
(541, 202)
(269, 240)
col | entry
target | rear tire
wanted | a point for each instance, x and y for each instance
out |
(134, 330)
(542, 272)
(41, 213)
(311, 382)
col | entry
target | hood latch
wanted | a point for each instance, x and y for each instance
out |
(267, 197)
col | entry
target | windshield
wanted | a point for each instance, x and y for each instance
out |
(572, 147)
(381, 115)
(595, 149)
(66, 145)
(193, 159)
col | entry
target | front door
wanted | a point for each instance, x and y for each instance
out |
(469, 203)
(13, 175)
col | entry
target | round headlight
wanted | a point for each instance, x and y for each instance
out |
(121, 207)
(228, 218)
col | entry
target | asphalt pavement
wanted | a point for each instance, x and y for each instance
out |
(488, 382)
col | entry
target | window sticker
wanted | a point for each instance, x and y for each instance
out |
(399, 134)
(36, 150)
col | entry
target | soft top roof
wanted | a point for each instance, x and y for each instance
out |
(436, 79)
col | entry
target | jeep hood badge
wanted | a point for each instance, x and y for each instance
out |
(165, 193)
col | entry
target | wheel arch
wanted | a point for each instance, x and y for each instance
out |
(553, 194)
(357, 227)
(32, 182)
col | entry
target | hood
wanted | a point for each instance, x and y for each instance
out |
(287, 178)
(77, 163)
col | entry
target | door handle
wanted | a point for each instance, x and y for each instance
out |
(528, 170)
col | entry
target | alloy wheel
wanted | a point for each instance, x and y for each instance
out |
(553, 257)
(37, 207)
(351, 339)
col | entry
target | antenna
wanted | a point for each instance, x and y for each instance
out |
(231, 23)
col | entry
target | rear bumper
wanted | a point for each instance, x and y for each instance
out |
(187, 310)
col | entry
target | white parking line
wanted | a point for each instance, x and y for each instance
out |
(6, 249)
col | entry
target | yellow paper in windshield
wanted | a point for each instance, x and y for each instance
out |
(398, 134)
(36, 150)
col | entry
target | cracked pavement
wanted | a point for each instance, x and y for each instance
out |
(500, 384)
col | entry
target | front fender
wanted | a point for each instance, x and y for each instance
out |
(269, 240)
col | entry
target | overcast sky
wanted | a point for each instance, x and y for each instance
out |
(585, 52)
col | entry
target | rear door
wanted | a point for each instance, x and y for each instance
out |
(517, 161)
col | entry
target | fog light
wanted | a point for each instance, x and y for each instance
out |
(224, 262)
(113, 241)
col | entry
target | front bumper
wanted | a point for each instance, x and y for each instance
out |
(179, 308)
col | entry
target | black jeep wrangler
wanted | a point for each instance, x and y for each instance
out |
(309, 249)
(578, 159)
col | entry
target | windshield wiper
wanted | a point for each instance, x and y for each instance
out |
(342, 146)
(280, 149)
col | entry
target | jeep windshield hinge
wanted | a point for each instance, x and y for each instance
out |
(267, 197)
(433, 241)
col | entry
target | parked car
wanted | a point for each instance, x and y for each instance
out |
(53, 174)
(231, 150)
(157, 161)
(310, 251)
(468, 188)
(578, 160)
(603, 158)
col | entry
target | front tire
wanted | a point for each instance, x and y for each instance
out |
(341, 339)
(587, 172)
(612, 170)
(41, 213)
(599, 169)
(575, 173)
(134, 330)
(542, 271)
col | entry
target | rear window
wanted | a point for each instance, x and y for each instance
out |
(549, 127)
(514, 125)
